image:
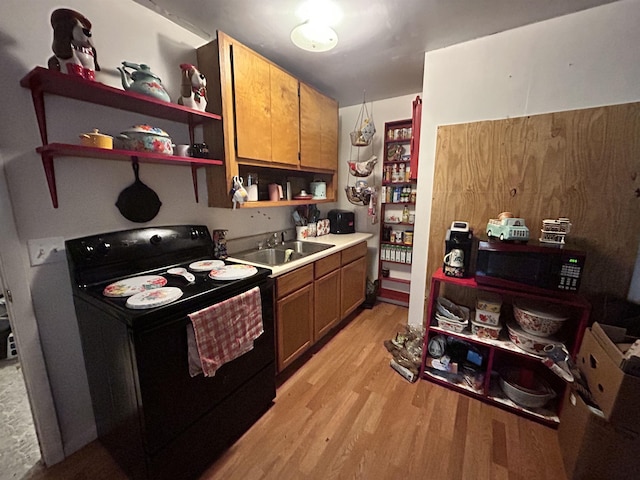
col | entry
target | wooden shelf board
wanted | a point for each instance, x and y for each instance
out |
(63, 149)
(394, 295)
(283, 203)
(397, 263)
(42, 80)
(494, 398)
(500, 344)
(397, 280)
(573, 299)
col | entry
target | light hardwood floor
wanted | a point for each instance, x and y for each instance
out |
(345, 414)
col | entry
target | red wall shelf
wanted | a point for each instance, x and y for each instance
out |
(41, 80)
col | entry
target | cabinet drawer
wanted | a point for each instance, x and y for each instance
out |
(292, 281)
(327, 264)
(351, 253)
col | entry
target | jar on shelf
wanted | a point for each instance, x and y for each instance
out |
(408, 237)
(405, 214)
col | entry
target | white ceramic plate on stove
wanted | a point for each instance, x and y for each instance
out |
(133, 285)
(233, 272)
(154, 298)
(206, 265)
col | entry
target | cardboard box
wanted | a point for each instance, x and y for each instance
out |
(619, 346)
(616, 392)
(592, 448)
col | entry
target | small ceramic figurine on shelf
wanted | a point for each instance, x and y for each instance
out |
(193, 89)
(73, 51)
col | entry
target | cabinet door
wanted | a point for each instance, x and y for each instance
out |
(252, 101)
(318, 129)
(294, 322)
(327, 309)
(285, 117)
(353, 280)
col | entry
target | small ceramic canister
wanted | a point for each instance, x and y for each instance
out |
(182, 150)
(311, 229)
(301, 232)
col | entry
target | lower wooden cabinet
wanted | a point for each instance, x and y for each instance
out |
(327, 308)
(294, 323)
(353, 278)
(312, 299)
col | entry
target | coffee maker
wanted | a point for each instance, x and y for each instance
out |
(457, 248)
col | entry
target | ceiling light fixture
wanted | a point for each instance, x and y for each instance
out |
(314, 36)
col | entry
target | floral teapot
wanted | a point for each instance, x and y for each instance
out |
(142, 80)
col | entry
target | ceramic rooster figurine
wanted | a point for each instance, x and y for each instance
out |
(193, 90)
(73, 51)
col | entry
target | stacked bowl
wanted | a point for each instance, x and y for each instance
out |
(535, 325)
(487, 319)
(450, 316)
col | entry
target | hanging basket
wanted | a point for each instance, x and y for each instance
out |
(356, 197)
(363, 169)
(364, 128)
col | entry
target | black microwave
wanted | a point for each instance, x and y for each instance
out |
(532, 266)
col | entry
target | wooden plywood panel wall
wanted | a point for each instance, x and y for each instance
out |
(581, 164)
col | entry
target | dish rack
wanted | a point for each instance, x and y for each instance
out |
(554, 231)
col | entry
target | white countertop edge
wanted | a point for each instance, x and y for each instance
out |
(340, 242)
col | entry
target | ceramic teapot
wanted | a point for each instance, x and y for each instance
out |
(142, 80)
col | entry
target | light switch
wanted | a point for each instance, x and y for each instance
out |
(46, 250)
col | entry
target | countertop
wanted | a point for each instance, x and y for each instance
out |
(340, 242)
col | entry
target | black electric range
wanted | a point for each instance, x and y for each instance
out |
(155, 419)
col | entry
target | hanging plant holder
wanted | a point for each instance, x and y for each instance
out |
(364, 128)
(364, 168)
(358, 197)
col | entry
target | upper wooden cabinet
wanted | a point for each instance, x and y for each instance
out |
(266, 109)
(272, 124)
(318, 129)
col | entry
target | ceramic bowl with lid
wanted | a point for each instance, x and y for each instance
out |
(145, 138)
(538, 320)
(484, 330)
(96, 139)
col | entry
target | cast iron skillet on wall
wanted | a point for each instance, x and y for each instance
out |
(138, 202)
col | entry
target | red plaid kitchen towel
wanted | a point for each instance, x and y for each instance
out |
(226, 330)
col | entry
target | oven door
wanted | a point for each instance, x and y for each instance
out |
(170, 400)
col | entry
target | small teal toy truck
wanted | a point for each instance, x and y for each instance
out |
(508, 229)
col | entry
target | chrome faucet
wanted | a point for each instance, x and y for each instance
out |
(272, 240)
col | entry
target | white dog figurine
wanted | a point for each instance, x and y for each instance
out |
(73, 51)
(193, 90)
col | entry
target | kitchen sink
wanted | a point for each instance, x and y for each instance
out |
(268, 256)
(305, 248)
(277, 256)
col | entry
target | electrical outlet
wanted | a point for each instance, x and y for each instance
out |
(46, 250)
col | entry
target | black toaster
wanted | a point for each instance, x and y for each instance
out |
(341, 221)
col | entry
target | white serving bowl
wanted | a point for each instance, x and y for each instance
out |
(529, 343)
(451, 310)
(537, 320)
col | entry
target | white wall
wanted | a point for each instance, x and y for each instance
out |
(388, 110)
(87, 189)
(582, 60)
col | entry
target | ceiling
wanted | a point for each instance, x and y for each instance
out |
(381, 44)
